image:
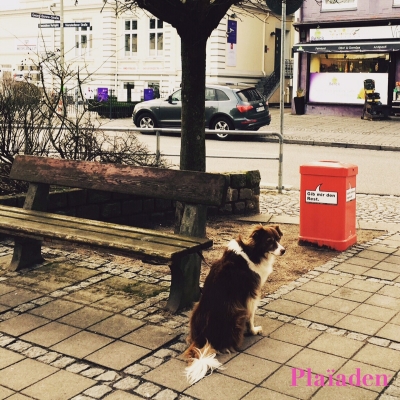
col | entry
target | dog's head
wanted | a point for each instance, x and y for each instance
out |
(265, 240)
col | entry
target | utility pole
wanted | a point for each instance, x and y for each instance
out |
(62, 50)
(62, 60)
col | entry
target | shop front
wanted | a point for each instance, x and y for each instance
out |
(334, 71)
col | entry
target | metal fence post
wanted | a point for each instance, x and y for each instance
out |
(159, 131)
(110, 101)
(280, 166)
(158, 146)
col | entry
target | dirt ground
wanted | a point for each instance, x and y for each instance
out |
(297, 260)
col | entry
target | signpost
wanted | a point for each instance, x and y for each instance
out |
(282, 8)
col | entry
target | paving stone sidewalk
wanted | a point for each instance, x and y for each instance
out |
(339, 131)
(68, 338)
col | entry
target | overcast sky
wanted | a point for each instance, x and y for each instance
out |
(9, 4)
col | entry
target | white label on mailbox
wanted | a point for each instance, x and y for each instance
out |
(318, 197)
(350, 194)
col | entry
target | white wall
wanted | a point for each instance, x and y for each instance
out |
(107, 63)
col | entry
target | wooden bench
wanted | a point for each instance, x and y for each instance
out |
(31, 225)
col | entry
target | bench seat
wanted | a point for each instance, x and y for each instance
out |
(126, 239)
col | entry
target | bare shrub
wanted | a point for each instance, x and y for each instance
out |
(37, 121)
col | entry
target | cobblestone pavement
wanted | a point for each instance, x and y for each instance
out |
(370, 208)
(77, 343)
(64, 336)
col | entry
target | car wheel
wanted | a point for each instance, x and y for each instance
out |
(222, 124)
(146, 121)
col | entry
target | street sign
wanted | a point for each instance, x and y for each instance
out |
(45, 16)
(291, 6)
(76, 24)
(50, 25)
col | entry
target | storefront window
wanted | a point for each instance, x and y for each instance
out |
(339, 78)
(349, 63)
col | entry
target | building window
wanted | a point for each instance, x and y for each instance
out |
(396, 3)
(83, 41)
(5, 70)
(130, 37)
(156, 37)
(338, 5)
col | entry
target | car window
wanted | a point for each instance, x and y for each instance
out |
(222, 96)
(249, 95)
(210, 95)
(177, 96)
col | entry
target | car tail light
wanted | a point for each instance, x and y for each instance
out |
(244, 108)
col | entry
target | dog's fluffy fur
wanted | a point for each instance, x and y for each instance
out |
(230, 298)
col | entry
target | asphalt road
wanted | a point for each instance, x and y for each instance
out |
(378, 170)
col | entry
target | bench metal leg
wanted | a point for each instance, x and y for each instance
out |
(27, 252)
(185, 278)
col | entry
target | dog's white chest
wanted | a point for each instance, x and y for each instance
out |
(264, 268)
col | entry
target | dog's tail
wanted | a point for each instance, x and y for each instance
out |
(200, 361)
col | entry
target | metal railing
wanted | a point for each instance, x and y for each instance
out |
(158, 132)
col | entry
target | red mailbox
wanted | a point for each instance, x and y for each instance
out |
(328, 204)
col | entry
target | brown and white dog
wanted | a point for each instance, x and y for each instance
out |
(230, 298)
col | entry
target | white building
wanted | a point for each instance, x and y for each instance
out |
(132, 52)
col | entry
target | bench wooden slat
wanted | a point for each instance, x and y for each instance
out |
(93, 225)
(166, 247)
(188, 186)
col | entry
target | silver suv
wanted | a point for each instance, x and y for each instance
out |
(227, 108)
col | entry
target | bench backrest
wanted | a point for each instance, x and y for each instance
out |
(185, 186)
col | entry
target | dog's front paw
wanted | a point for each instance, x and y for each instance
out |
(228, 351)
(256, 330)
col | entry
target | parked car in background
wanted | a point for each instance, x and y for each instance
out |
(227, 108)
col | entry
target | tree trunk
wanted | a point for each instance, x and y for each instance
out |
(193, 146)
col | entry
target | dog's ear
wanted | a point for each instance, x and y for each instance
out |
(257, 230)
(278, 230)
